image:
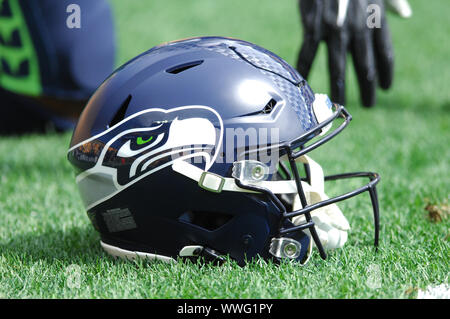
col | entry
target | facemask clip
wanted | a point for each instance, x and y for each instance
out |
(250, 171)
(284, 247)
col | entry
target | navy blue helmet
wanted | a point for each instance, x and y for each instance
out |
(197, 148)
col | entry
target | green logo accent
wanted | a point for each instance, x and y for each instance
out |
(140, 141)
(30, 82)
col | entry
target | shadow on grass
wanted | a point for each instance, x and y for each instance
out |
(74, 245)
(77, 245)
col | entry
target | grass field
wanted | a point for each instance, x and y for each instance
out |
(47, 241)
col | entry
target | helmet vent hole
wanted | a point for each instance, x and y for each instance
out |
(183, 67)
(269, 107)
(120, 114)
(207, 220)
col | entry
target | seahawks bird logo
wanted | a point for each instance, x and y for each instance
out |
(142, 144)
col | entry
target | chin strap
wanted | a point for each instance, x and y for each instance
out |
(216, 183)
(331, 224)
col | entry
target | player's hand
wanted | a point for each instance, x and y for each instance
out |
(343, 25)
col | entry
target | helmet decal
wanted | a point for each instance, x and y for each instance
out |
(156, 138)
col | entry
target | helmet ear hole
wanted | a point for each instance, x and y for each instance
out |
(207, 220)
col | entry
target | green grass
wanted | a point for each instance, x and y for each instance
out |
(44, 230)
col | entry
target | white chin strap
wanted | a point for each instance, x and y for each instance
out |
(331, 224)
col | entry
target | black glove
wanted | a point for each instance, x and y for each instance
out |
(371, 48)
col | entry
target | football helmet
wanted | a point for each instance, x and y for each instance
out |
(198, 147)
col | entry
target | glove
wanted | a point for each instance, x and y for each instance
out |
(342, 24)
